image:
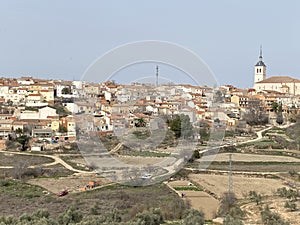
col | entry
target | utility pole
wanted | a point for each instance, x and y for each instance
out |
(230, 187)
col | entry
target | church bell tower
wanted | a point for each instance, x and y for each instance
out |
(260, 69)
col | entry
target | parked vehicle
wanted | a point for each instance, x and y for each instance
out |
(146, 176)
(62, 193)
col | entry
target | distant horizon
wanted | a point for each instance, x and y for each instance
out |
(138, 82)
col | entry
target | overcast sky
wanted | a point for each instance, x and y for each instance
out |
(60, 39)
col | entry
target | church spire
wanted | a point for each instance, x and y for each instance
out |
(260, 61)
(260, 68)
(260, 53)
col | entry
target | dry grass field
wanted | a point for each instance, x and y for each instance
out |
(133, 160)
(139, 160)
(19, 198)
(276, 204)
(199, 200)
(71, 183)
(238, 157)
(8, 159)
(218, 184)
(251, 162)
(202, 201)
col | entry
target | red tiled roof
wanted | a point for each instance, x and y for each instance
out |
(279, 79)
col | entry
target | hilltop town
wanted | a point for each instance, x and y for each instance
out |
(49, 130)
(44, 110)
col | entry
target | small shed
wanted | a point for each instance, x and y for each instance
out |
(37, 148)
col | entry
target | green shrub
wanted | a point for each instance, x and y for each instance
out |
(70, 216)
(187, 188)
(229, 220)
(271, 218)
(228, 201)
(291, 206)
(254, 197)
(149, 217)
(193, 217)
(5, 183)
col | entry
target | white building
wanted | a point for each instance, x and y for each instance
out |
(282, 84)
(4, 91)
(41, 114)
(25, 81)
(35, 100)
(260, 69)
(66, 91)
(46, 112)
(71, 107)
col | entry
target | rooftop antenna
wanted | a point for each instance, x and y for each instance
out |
(156, 76)
(230, 186)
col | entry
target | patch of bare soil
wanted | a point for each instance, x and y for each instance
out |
(9, 159)
(18, 198)
(218, 184)
(140, 160)
(71, 183)
(199, 200)
(202, 201)
(250, 158)
(276, 204)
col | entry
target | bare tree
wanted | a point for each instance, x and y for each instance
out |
(20, 169)
(255, 114)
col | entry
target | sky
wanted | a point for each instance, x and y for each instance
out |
(60, 39)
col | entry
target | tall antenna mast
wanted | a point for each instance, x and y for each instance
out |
(230, 187)
(156, 76)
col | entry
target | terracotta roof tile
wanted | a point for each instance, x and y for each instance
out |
(279, 79)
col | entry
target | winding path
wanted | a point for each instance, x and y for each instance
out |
(56, 158)
(259, 136)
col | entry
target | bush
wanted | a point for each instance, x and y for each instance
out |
(70, 216)
(254, 197)
(228, 201)
(112, 217)
(271, 218)
(292, 173)
(193, 217)
(196, 154)
(291, 206)
(181, 126)
(287, 193)
(187, 188)
(5, 183)
(149, 217)
(236, 212)
(229, 220)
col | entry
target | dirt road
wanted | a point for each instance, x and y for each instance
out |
(56, 158)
